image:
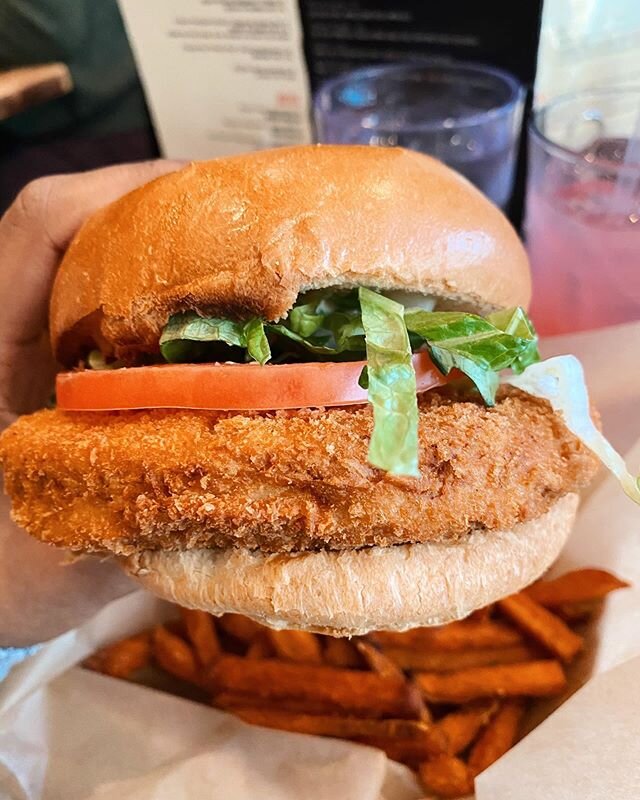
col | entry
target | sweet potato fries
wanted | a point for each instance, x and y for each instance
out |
(446, 701)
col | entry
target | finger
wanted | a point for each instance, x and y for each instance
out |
(38, 227)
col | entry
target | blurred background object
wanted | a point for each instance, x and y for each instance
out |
(587, 44)
(25, 87)
(103, 121)
(342, 35)
(467, 115)
(582, 225)
(240, 73)
(583, 210)
(221, 77)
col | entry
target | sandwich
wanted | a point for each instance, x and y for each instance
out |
(301, 385)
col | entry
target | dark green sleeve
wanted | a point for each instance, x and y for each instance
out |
(88, 36)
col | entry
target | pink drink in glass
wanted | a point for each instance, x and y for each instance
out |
(583, 211)
(585, 259)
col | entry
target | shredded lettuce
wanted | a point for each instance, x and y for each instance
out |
(324, 323)
(319, 345)
(477, 346)
(560, 380)
(391, 385)
(97, 361)
(191, 326)
(257, 343)
(186, 335)
(304, 320)
(516, 323)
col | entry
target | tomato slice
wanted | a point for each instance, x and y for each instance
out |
(225, 387)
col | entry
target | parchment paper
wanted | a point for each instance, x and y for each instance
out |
(66, 734)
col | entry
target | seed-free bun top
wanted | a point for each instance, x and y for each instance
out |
(244, 235)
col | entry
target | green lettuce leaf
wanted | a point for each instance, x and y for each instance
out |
(515, 322)
(256, 341)
(348, 334)
(476, 346)
(304, 320)
(326, 323)
(192, 327)
(185, 336)
(392, 386)
(560, 380)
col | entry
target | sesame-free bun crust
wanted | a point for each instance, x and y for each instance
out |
(244, 235)
(355, 591)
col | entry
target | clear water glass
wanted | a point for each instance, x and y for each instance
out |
(467, 115)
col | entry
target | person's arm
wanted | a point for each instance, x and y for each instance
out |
(40, 595)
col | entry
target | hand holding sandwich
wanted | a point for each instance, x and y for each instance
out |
(34, 234)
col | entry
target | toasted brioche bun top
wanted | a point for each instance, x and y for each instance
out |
(355, 591)
(244, 235)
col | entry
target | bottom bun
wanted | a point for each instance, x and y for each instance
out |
(349, 592)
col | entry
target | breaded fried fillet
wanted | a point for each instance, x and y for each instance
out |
(284, 481)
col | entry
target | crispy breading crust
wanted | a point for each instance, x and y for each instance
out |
(284, 481)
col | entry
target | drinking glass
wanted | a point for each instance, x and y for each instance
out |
(583, 210)
(467, 115)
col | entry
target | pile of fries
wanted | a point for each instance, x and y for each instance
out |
(446, 701)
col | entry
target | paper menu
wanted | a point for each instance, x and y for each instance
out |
(221, 77)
